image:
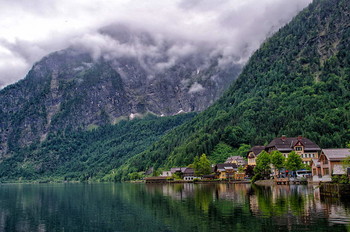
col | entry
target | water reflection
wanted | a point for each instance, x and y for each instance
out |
(169, 207)
(294, 207)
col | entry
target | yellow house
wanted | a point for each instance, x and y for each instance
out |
(253, 153)
(225, 171)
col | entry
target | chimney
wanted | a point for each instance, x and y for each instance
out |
(283, 137)
(300, 137)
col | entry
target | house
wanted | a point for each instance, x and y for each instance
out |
(253, 153)
(166, 173)
(304, 147)
(316, 169)
(185, 172)
(329, 163)
(178, 171)
(188, 174)
(238, 160)
(225, 171)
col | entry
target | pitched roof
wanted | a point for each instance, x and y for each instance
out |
(336, 154)
(286, 144)
(257, 150)
(238, 159)
(225, 166)
(173, 170)
(188, 171)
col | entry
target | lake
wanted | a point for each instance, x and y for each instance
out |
(174, 207)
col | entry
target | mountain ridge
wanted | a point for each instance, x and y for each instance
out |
(74, 88)
(297, 83)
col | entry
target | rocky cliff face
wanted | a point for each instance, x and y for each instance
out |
(75, 88)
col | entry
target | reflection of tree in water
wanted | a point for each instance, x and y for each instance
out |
(203, 197)
(279, 200)
(179, 207)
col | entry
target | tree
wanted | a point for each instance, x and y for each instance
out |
(201, 165)
(294, 161)
(346, 161)
(243, 150)
(262, 168)
(277, 160)
(221, 152)
(249, 171)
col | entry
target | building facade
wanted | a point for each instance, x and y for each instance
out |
(253, 153)
(329, 163)
(304, 147)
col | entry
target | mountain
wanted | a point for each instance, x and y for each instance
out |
(129, 75)
(86, 155)
(297, 83)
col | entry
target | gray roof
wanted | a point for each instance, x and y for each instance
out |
(257, 150)
(182, 169)
(336, 154)
(226, 166)
(238, 159)
(287, 144)
(188, 171)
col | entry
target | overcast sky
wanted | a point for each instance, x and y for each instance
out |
(31, 29)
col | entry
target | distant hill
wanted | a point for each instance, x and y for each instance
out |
(297, 83)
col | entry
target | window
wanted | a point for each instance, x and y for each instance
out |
(298, 148)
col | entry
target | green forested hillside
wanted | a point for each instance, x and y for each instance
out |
(297, 83)
(86, 155)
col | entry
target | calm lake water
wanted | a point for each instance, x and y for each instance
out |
(179, 207)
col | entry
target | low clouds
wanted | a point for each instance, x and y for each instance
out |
(162, 32)
(196, 87)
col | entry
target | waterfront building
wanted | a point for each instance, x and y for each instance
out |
(304, 147)
(329, 163)
(253, 153)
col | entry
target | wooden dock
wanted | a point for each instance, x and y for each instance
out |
(282, 181)
(287, 180)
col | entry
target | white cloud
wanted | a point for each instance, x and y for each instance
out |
(196, 87)
(230, 28)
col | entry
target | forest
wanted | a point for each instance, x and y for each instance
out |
(82, 155)
(297, 83)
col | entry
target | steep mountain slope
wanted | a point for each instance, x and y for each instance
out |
(81, 87)
(297, 83)
(86, 155)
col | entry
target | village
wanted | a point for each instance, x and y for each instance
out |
(285, 160)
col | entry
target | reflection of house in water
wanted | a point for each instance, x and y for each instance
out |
(233, 192)
(301, 203)
(178, 191)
